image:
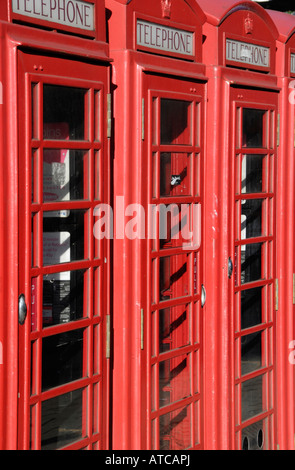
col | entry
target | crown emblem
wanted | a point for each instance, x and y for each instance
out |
(249, 24)
(166, 8)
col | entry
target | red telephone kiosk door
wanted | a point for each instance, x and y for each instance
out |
(63, 305)
(174, 145)
(253, 270)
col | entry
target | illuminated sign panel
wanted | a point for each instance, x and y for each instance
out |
(73, 13)
(164, 38)
(247, 54)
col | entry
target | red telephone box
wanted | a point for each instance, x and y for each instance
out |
(54, 273)
(285, 226)
(159, 107)
(241, 152)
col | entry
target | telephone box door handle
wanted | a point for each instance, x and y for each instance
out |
(203, 296)
(230, 268)
(22, 309)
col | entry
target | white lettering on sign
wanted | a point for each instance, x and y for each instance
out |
(164, 38)
(293, 63)
(247, 53)
(74, 13)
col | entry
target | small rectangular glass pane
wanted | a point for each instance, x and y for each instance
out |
(254, 437)
(63, 296)
(64, 172)
(251, 352)
(175, 430)
(251, 307)
(63, 236)
(35, 109)
(176, 224)
(174, 380)
(61, 420)
(251, 262)
(176, 122)
(251, 218)
(174, 325)
(252, 397)
(175, 174)
(253, 174)
(62, 359)
(34, 175)
(64, 113)
(253, 127)
(174, 277)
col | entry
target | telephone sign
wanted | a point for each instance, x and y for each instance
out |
(74, 13)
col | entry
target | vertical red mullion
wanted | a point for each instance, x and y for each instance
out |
(26, 220)
(39, 243)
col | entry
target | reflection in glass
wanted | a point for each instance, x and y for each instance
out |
(251, 307)
(61, 420)
(62, 358)
(174, 278)
(62, 297)
(252, 173)
(252, 397)
(63, 236)
(175, 430)
(251, 262)
(251, 352)
(175, 122)
(63, 112)
(251, 218)
(63, 174)
(174, 380)
(174, 174)
(253, 127)
(253, 436)
(174, 327)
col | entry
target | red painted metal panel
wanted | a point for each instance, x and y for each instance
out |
(136, 77)
(11, 37)
(285, 231)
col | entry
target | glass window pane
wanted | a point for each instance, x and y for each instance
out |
(174, 380)
(251, 218)
(61, 420)
(63, 295)
(252, 173)
(254, 436)
(175, 430)
(176, 122)
(63, 236)
(64, 112)
(174, 277)
(62, 358)
(253, 127)
(175, 174)
(63, 174)
(251, 352)
(252, 397)
(174, 327)
(251, 307)
(251, 262)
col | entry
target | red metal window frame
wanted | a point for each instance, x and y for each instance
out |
(158, 88)
(265, 101)
(94, 380)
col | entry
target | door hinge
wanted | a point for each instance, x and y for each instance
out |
(141, 329)
(293, 289)
(278, 130)
(108, 336)
(142, 119)
(109, 115)
(277, 294)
